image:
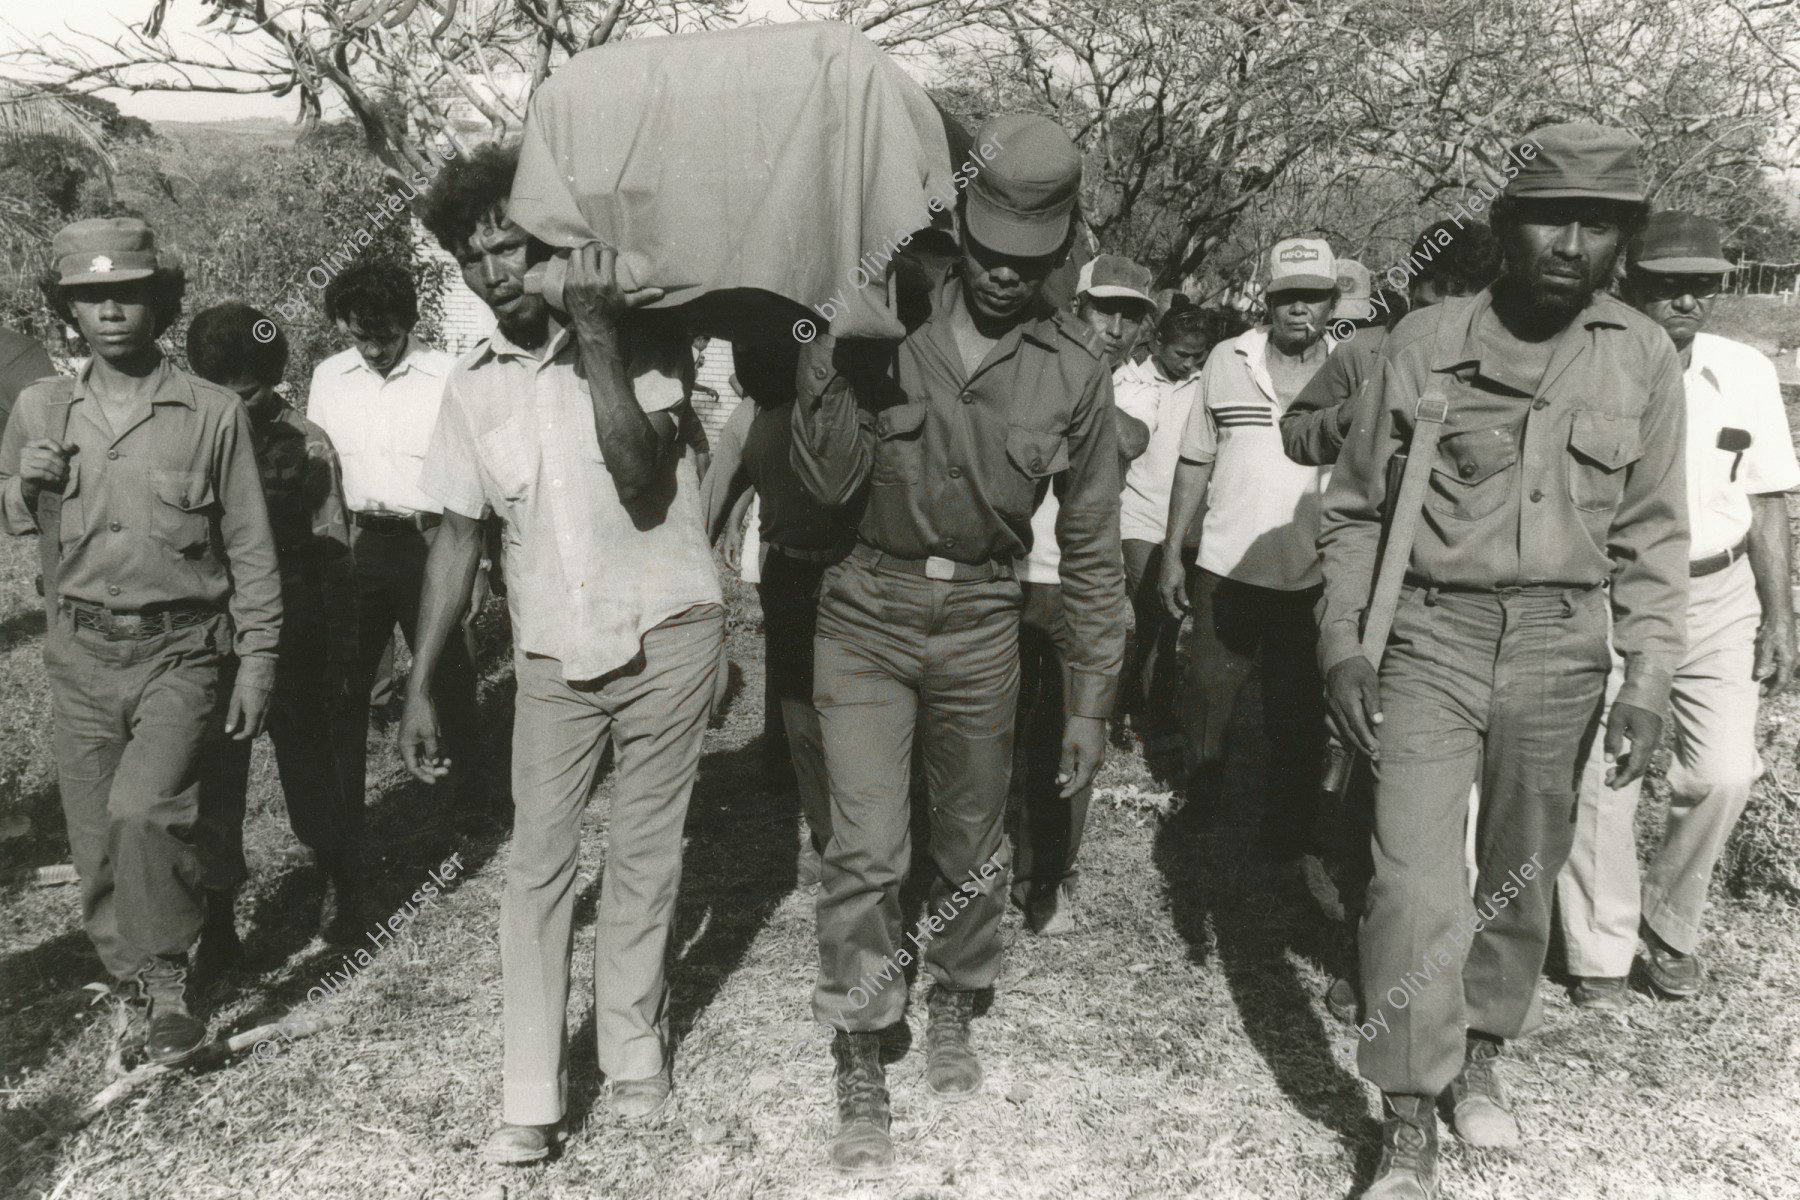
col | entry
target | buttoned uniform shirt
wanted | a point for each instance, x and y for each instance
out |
(1314, 426)
(1569, 481)
(1262, 514)
(166, 509)
(305, 496)
(1136, 395)
(516, 436)
(953, 464)
(1163, 405)
(1732, 386)
(380, 426)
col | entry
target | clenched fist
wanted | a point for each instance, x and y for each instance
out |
(44, 466)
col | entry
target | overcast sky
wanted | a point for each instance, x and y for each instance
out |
(31, 21)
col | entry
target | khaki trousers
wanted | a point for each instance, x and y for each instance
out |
(654, 711)
(1713, 706)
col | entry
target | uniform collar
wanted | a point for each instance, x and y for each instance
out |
(172, 387)
(1465, 349)
(1041, 328)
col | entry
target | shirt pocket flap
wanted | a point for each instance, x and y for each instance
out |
(899, 420)
(189, 491)
(1606, 440)
(1037, 453)
(1477, 454)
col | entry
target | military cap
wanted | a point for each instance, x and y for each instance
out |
(104, 250)
(1677, 243)
(1114, 275)
(1024, 175)
(1578, 159)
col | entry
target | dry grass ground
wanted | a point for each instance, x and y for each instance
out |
(1174, 1047)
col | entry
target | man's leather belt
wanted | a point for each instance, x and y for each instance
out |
(1712, 564)
(133, 626)
(1534, 589)
(811, 556)
(387, 523)
(933, 567)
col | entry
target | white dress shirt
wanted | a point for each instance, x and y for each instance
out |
(1732, 386)
(1163, 405)
(381, 427)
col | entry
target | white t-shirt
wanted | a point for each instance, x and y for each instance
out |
(1130, 395)
(1262, 515)
(1732, 386)
(1140, 390)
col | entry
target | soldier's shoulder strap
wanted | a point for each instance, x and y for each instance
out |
(1081, 333)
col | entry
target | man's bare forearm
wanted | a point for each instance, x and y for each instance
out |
(628, 441)
(1185, 499)
(1771, 558)
(444, 598)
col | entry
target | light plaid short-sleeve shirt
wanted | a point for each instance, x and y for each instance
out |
(516, 436)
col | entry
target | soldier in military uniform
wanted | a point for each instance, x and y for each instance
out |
(141, 484)
(1559, 472)
(241, 349)
(949, 440)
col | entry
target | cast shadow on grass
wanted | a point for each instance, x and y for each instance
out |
(1249, 917)
(26, 625)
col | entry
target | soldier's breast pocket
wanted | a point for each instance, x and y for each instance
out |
(899, 446)
(1602, 447)
(1035, 455)
(1474, 472)
(182, 510)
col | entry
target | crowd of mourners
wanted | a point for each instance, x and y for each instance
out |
(1482, 541)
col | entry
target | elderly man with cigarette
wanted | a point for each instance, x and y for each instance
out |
(1253, 595)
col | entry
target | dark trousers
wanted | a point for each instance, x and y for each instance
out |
(390, 573)
(1238, 628)
(1151, 687)
(789, 593)
(132, 720)
(898, 653)
(1050, 827)
(1512, 685)
(322, 817)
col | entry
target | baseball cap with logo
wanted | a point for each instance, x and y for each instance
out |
(104, 250)
(1024, 187)
(1114, 275)
(1677, 243)
(1301, 264)
(1354, 290)
(1578, 159)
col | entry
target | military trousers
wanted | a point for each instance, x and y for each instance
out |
(898, 653)
(789, 593)
(301, 711)
(654, 712)
(1713, 704)
(390, 574)
(1510, 683)
(133, 719)
(1050, 827)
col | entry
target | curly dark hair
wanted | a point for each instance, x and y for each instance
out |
(373, 294)
(224, 342)
(469, 189)
(1469, 262)
(168, 286)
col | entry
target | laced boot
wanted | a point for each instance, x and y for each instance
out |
(952, 1071)
(1478, 1108)
(1409, 1150)
(172, 1034)
(862, 1146)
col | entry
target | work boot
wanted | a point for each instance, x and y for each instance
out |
(1342, 1002)
(341, 917)
(1601, 993)
(952, 1071)
(172, 1034)
(862, 1146)
(219, 949)
(1409, 1150)
(1672, 974)
(1478, 1108)
(520, 1145)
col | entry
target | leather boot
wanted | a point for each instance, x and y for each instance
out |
(1409, 1150)
(1478, 1107)
(952, 1071)
(172, 1035)
(219, 949)
(862, 1146)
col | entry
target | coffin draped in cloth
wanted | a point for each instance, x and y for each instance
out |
(765, 174)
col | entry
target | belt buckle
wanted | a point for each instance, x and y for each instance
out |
(124, 625)
(939, 568)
